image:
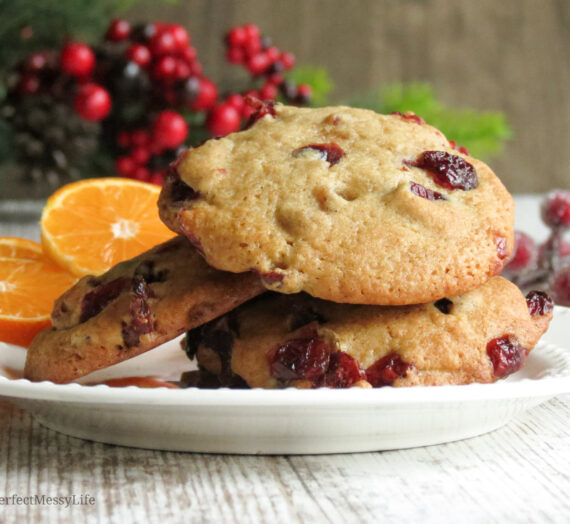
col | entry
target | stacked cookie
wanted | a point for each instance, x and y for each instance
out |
(378, 244)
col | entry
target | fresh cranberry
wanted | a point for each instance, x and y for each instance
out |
(207, 95)
(236, 101)
(92, 102)
(141, 173)
(560, 286)
(303, 358)
(272, 53)
(539, 303)
(140, 155)
(163, 43)
(343, 371)
(180, 36)
(165, 69)
(252, 32)
(29, 84)
(506, 354)
(331, 153)
(223, 120)
(444, 305)
(268, 92)
(140, 54)
(125, 166)
(77, 59)
(424, 192)
(409, 115)
(235, 55)
(449, 171)
(170, 129)
(525, 253)
(303, 94)
(288, 60)
(556, 209)
(237, 36)
(36, 62)
(386, 370)
(258, 63)
(140, 137)
(118, 30)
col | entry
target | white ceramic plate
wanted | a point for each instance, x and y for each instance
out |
(285, 421)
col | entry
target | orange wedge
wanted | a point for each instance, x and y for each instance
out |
(28, 289)
(12, 247)
(91, 225)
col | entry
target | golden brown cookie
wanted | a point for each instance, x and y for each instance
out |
(277, 341)
(135, 306)
(345, 204)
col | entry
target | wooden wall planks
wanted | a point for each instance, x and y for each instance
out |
(511, 56)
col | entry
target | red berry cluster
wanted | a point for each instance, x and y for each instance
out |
(545, 265)
(144, 84)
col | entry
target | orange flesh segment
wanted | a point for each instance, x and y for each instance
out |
(13, 247)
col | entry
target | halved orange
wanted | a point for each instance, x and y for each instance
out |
(91, 225)
(28, 289)
(13, 247)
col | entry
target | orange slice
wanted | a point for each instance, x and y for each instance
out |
(91, 225)
(28, 289)
(12, 247)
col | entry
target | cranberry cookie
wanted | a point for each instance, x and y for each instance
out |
(278, 341)
(345, 204)
(135, 306)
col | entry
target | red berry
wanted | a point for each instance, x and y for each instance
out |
(140, 155)
(223, 119)
(252, 47)
(180, 36)
(525, 253)
(331, 152)
(288, 60)
(539, 303)
(506, 354)
(237, 37)
(182, 70)
(268, 92)
(29, 85)
(140, 138)
(235, 55)
(125, 166)
(77, 59)
(197, 69)
(207, 95)
(124, 139)
(36, 62)
(165, 69)
(170, 129)
(272, 53)
(386, 370)
(92, 102)
(141, 173)
(276, 79)
(258, 63)
(162, 43)
(189, 54)
(556, 209)
(156, 177)
(252, 32)
(304, 90)
(424, 192)
(236, 101)
(140, 54)
(560, 286)
(118, 30)
(449, 171)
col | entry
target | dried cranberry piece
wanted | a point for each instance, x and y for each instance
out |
(332, 153)
(95, 301)
(271, 277)
(262, 108)
(502, 250)
(449, 171)
(386, 370)
(506, 354)
(424, 192)
(444, 305)
(303, 358)
(140, 322)
(343, 371)
(409, 115)
(539, 303)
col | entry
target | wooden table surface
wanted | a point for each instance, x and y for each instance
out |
(519, 473)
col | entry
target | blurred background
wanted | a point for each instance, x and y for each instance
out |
(495, 76)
